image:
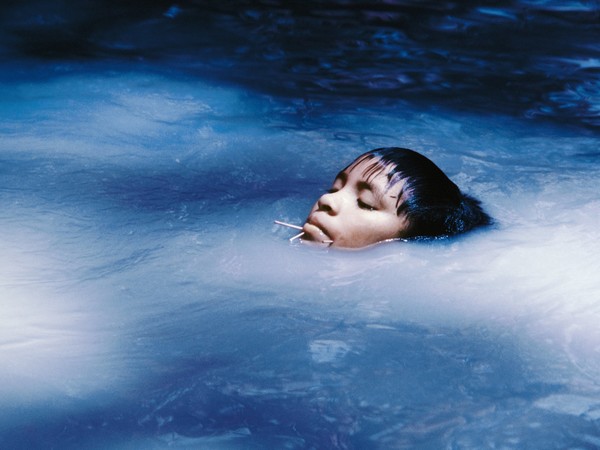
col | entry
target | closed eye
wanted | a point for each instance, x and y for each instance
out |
(366, 206)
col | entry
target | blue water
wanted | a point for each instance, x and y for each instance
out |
(147, 300)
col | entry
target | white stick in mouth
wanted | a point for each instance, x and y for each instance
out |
(289, 225)
(292, 239)
(297, 227)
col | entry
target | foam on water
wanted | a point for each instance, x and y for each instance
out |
(148, 300)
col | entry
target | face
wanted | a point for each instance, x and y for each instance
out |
(359, 209)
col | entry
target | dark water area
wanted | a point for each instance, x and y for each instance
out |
(530, 58)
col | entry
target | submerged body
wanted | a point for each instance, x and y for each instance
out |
(391, 193)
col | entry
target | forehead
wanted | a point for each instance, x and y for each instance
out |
(372, 169)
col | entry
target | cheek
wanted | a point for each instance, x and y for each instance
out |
(382, 227)
(359, 233)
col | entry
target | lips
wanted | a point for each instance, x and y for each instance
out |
(314, 231)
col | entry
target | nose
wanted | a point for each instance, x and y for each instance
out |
(329, 203)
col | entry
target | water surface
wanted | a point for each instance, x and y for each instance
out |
(147, 300)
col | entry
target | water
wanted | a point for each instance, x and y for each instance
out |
(148, 301)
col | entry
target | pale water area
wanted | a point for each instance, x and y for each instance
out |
(147, 299)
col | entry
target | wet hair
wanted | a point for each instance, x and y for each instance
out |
(432, 203)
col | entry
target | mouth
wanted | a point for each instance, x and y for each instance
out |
(315, 232)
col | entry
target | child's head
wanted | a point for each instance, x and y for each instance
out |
(391, 193)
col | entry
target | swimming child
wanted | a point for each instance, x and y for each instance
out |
(390, 193)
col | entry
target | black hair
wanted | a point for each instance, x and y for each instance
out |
(432, 203)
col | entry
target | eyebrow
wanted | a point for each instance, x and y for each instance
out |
(342, 176)
(364, 185)
(372, 171)
(361, 186)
